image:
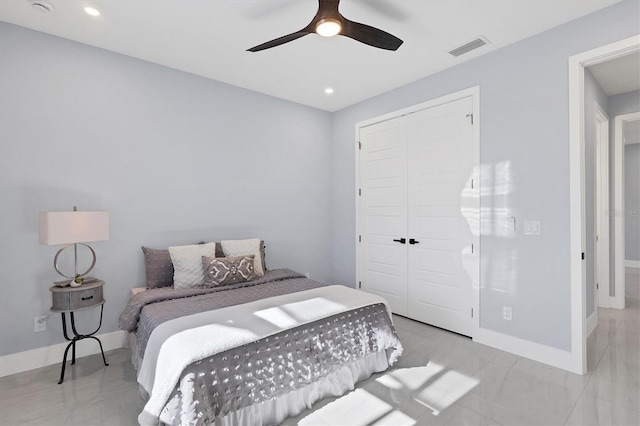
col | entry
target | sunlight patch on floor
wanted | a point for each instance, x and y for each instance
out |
(445, 390)
(433, 386)
(410, 378)
(357, 408)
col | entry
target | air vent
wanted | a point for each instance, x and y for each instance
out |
(468, 47)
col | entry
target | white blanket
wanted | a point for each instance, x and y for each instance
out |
(175, 344)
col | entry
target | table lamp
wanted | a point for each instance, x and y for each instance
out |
(73, 229)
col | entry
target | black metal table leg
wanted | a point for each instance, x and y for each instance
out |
(76, 337)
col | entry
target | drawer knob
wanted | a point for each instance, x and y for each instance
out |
(87, 298)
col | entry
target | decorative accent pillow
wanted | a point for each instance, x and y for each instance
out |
(234, 248)
(187, 263)
(158, 267)
(227, 270)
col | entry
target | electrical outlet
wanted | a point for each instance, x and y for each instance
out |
(39, 324)
(506, 313)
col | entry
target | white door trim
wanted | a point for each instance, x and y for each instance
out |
(618, 300)
(474, 93)
(602, 208)
(577, 63)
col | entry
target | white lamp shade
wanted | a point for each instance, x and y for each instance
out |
(73, 227)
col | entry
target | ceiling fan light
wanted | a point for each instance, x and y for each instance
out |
(328, 27)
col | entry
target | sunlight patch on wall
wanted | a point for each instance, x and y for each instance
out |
(497, 183)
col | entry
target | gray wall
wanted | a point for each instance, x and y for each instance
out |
(173, 157)
(524, 131)
(632, 202)
(176, 159)
(593, 94)
(626, 103)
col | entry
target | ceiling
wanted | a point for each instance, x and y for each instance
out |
(631, 132)
(209, 38)
(618, 75)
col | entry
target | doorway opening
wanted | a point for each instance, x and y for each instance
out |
(589, 183)
(627, 134)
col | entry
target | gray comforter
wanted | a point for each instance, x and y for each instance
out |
(146, 310)
(267, 368)
(277, 365)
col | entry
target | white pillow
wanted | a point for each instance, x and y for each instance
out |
(234, 248)
(187, 264)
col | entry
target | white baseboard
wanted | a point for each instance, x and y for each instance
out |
(632, 263)
(545, 354)
(48, 355)
(592, 322)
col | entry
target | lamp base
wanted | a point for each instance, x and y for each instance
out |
(75, 255)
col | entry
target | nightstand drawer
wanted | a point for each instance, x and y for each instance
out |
(77, 298)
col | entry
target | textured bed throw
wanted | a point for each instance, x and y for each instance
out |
(183, 341)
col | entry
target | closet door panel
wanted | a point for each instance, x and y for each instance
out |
(383, 211)
(440, 164)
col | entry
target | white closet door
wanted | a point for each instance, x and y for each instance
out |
(383, 211)
(440, 166)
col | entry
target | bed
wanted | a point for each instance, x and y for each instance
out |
(254, 352)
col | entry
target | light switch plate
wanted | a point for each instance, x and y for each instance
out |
(531, 227)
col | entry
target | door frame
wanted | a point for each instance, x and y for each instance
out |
(577, 64)
(474, 93)
(601, 243)
(618, 300)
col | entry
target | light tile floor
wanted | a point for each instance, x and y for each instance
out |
(442, 378)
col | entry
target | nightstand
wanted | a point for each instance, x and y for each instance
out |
(70, 299)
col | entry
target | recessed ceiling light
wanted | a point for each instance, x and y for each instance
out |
(92, 11)
(328, 90)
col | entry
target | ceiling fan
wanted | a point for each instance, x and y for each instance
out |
(329, 22)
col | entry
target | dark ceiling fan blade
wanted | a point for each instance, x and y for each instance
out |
(369, 35)
(280, 40)
(327, 7)
(328, 13)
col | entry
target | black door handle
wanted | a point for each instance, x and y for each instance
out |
(412, 241)
(401, 241)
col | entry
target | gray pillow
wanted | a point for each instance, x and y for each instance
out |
(227, 270)
(159, 268)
